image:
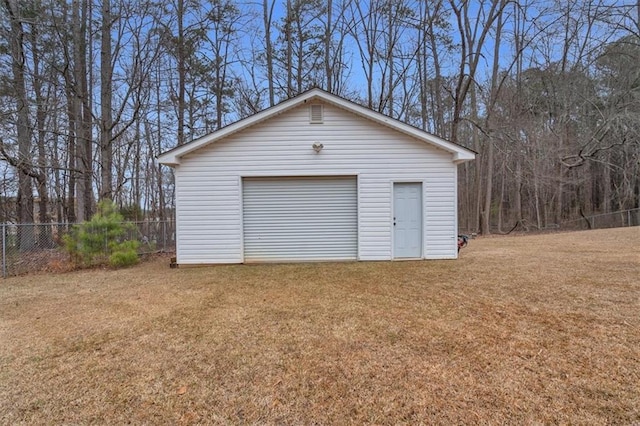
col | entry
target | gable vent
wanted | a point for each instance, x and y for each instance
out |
(316, 114)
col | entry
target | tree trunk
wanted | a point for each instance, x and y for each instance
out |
(501, 200)
(478, 164)
(439, 123)
(106, 120)
(25, 188)
(289, 53)
(536, 199)
(267, 17)
(182, 71)
(41, 114)
(72, 117)
(605, 206)
(390, 55)
(158, 169)
(84, 188)
(488, 190)
(327, 47)
(299, 56)
(518, 191)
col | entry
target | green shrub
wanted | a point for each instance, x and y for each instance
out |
(102, 239)
(126, 255)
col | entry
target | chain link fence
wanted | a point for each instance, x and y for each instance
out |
(40, 247)
(617, 219)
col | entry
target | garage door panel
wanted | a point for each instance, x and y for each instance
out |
(300, 218)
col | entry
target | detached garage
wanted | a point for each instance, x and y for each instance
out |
(316, 178)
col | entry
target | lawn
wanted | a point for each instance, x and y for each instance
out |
(520, 329)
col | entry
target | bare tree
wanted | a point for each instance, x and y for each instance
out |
(473, 31)
(366, 30)
(267, 10)
(430, 23)
(224, 18)
(22, 161)
(106, 88)
(84, 118)
(39, 172)
(545, 92)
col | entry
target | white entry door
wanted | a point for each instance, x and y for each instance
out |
(407, 221)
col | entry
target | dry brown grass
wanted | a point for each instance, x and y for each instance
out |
(536, 329)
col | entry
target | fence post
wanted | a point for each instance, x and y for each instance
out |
(4, 250)
(628, 217)
(164, 236)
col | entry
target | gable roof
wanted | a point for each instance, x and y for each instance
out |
(460, 153)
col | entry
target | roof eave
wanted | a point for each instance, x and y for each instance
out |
(171, 163)
(463, 157)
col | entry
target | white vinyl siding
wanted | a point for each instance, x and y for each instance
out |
(309, 218)
(209, 182)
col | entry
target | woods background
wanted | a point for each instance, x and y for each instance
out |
(546, 91)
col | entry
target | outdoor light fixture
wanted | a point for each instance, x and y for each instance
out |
(317, 147)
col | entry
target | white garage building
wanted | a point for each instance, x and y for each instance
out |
(316, 178)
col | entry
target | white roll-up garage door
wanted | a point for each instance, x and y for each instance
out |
(298, 219)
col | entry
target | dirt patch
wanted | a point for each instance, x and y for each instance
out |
(537, 329)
